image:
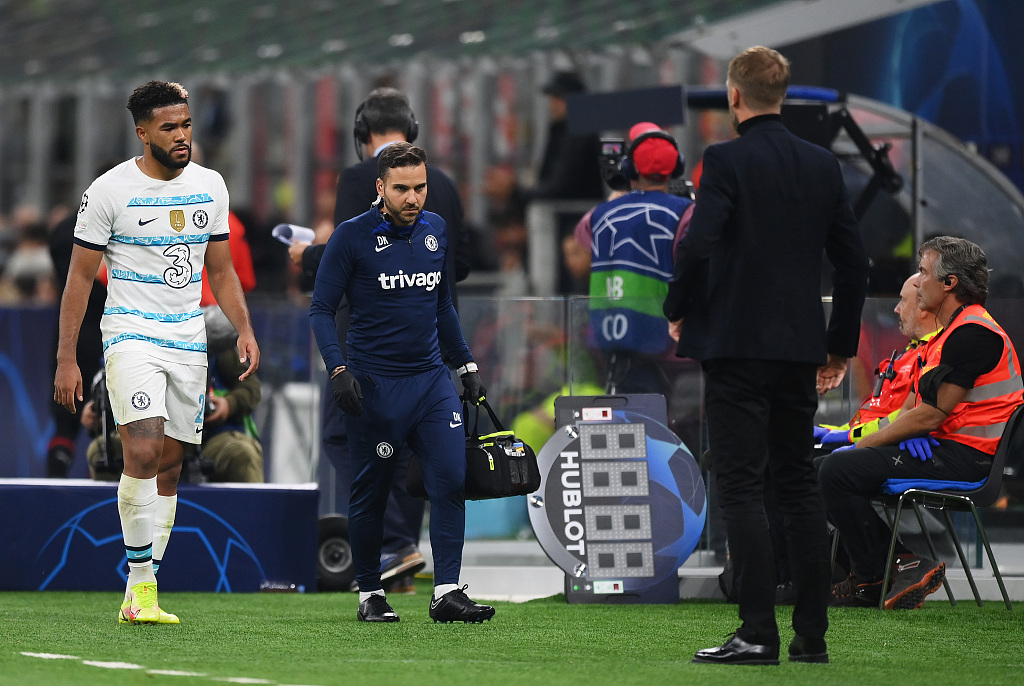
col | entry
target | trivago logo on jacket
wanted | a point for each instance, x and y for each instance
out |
(428, 280)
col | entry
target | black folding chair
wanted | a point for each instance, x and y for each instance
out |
(959, 496)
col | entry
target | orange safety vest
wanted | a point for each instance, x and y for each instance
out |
(896, 385)
(979, 420)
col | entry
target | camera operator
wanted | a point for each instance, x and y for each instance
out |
(632, 239)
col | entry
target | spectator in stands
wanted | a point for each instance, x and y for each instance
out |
(568, 169)
(28, 275)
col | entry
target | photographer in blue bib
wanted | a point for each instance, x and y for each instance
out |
(632, 240)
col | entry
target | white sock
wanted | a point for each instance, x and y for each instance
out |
(364, 595)
(441, 589)
(166, 505)
(136, 503)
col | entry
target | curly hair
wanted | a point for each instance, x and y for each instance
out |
(154, 95)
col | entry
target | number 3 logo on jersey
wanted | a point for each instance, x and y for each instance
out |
(179, 274)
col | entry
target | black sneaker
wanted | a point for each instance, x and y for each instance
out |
(913, 579)
(376, 609)
(852, 592)
(455, 606)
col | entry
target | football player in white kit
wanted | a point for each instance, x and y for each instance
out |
(155, 220)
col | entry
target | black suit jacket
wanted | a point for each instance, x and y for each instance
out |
(747, 278)
(357, 189)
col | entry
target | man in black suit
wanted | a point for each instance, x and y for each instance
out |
(384, 118)
(745, 300)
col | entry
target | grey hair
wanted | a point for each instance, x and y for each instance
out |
(966, 261)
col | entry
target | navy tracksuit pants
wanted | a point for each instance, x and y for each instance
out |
(424, 411)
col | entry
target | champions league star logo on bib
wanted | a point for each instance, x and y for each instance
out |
(384, 450)
(140, 400)
(430, 242)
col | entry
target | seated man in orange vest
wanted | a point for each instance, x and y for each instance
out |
(967, 387)
(895, 375)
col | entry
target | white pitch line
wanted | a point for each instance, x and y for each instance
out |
(112, 665)
(163, 672)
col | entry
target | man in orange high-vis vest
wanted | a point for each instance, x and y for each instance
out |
(895, 375)
(968, 384)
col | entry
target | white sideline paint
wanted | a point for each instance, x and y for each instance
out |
(163, 672)
(112, 665)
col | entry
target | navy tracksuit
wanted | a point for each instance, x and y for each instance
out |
(401, 312)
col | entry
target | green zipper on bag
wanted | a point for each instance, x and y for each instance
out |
(497, 434)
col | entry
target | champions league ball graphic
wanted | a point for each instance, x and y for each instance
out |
(621, 504)
(203, 544)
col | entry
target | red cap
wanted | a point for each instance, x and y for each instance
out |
(654, 156)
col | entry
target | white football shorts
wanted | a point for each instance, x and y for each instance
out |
(142, 387)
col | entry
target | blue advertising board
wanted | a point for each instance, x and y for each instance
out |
(226, 538)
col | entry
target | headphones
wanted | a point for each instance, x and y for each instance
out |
(361, 129)
(948, 282)
(628, 168)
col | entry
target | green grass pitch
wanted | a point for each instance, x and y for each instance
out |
(315, 639)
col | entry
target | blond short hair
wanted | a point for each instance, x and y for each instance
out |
(761, 75)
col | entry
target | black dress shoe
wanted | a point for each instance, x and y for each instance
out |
(808, 650)
(736, 651)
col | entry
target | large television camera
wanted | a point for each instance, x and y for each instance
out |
(610, 163)
(610, 159)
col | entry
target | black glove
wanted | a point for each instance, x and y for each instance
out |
(472, 388)
(347, 392)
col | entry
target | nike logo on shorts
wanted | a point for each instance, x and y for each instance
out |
(143, 223)
(455, 425)
(199, 429)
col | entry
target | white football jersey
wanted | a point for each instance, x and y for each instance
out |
(154, 235)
